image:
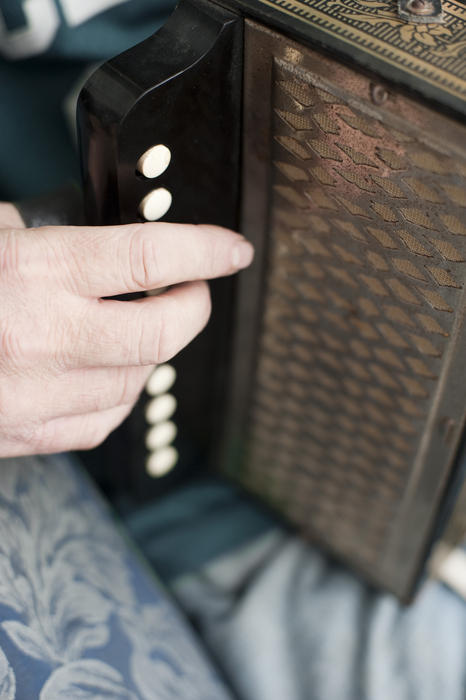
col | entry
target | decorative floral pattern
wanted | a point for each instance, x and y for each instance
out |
(426, 34)
(432, 36)
(7, 679)
(78, 611)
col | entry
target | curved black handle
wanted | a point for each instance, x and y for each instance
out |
(180, 88)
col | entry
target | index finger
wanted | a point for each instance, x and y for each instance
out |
(105, 261)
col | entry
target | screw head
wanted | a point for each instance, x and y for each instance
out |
(378, 94)
(421, 7)
(447, 429)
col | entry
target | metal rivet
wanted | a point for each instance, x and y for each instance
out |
(447, 429)
(420, 7)
(378, 94)
(154, 161)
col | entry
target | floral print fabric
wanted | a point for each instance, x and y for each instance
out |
(80, 614)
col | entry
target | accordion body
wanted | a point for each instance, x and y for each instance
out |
(331, 380)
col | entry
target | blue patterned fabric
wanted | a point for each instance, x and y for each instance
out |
(80, 614)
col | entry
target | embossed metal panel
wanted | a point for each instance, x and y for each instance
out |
(348, 390)
(429, 58)
(346, 401)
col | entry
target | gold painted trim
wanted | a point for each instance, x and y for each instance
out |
(434, 53)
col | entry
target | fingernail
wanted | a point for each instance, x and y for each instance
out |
(242, 256)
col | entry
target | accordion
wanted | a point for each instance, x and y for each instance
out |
(331, 379)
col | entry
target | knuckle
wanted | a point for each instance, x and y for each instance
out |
(19, 422)
(165, 334)
(71, 336)
(144, 263)
(11, 345)
(63, 343)
(66, 260)
(150, 330)
(11, 253)
(43, 438)
(127, 388)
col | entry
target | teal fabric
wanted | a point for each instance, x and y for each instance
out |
(286, 622)
(222, 517)
(37, 148)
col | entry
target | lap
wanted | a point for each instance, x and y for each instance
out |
(285, 621)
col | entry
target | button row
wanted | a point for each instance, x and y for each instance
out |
(163, 456)
(151, 164)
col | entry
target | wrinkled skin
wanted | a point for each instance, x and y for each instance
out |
(72, 363)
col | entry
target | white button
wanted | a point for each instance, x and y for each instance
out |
(154, 161)
(161, 408)
(162, 461)
(161, 435)
(155, 204)
(161, 380)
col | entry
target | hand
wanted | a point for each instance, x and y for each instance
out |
(72, 364)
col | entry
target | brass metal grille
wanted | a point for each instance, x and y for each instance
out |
(362, 299)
